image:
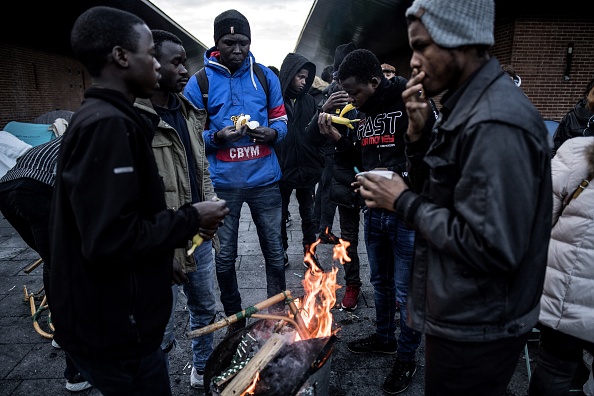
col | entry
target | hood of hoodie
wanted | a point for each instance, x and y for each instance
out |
(291, 65)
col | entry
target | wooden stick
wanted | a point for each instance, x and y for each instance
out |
(245, 377)
(302, 331)
(33, 266)
(301, 327)
(36, 326)
(246, 313)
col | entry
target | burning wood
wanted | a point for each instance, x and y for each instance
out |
(278, 355)
(282, 372)
(246, 376)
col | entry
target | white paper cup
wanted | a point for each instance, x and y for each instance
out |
(384, 173)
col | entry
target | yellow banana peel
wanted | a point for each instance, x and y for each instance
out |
(344, 121)
(346, 109)
(196, 241)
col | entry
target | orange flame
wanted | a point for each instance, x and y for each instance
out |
(320, 291)
(250, 389)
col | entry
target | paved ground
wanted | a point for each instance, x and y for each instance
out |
(30, 366)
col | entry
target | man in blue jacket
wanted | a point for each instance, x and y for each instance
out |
(243, 164)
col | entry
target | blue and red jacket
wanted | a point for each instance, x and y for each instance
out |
(240, 164)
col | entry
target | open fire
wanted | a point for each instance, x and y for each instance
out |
(280, 355)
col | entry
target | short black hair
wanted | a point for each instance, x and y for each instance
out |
(160, 36)
(361, 64)
(97, 30)
(327, 73)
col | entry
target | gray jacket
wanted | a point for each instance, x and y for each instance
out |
(482, 215)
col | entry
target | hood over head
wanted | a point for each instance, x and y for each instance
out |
(292, 63)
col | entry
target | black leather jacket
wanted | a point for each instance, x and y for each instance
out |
(579, 121)
(482, 213)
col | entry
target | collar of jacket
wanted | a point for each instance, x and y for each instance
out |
(466, 96)
(120, 101)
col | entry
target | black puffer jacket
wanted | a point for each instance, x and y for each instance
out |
(574, 124)
(300, 161)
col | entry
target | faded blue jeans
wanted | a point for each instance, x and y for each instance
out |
(201, 302)
(390, 247)
(265, 205)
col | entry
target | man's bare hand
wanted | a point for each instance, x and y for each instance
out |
(336, 101)
(417, 105)
(262, 135)
(378, 191)
(211, 213)
(231, 134)
(326, 127)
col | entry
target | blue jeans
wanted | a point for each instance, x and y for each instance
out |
(390, 247)
(145, 375)
(265, 206)
(200, 292)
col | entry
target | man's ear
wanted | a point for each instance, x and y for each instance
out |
(120, 56)
(375, 81)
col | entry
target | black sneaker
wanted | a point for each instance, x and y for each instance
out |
(372, 345)
(400, 377)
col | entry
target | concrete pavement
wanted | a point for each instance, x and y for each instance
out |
(30, 366)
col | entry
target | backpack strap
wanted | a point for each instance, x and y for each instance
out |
(260, 74)
(203, 82)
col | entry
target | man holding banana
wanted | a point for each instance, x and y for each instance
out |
(243, 165)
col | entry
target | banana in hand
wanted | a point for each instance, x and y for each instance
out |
(196, 241)
(340, 119)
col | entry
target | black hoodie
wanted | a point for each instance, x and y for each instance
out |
(300, 162)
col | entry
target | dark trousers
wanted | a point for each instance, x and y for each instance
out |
(349, 231)
(145, 375)
(559, 357)
(324, 210)
(25, 203)
(305, 199)
(455, 368)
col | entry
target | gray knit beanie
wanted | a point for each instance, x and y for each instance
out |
(231, 22)
(455, 23)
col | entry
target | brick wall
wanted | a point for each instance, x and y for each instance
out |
(35, 82)
(537, 49)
